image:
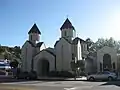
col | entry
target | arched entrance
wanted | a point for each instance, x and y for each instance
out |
(107, 62)
(43, 67)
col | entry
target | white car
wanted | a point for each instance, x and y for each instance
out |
(106, 75)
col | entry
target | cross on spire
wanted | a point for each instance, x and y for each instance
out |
(67, 16)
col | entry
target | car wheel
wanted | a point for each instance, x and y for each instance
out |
(110, 78)
(91, 78)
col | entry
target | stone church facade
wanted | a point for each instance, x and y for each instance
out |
(105, 59)
(35, 56)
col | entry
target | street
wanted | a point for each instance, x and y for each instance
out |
(60, 85)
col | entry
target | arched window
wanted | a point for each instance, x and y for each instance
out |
(65, 33)
(107, 65)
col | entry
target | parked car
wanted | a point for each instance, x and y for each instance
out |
(106, 75)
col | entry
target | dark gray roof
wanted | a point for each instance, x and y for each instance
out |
(59, 40)
(56, 43)
(31, 43)
(34, 29)
(67, 40)
(50, 52)
(75, 41)
(67, 25)
(39, 44)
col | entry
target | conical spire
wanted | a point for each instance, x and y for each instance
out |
(67, 25)
(34, 29)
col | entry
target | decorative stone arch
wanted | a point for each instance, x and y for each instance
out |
(44, 62)
(109, 52)
(107, 62)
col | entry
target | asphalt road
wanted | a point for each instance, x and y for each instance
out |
(60, 85)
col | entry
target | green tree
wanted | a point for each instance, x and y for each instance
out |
(17, 52)
(90, 45)
(1, 50)
(81, 65)
(6, 54)
(107, 42)
(101, 42)
(14, 63)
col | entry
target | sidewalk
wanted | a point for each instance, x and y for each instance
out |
(66, 79)
(61, 79)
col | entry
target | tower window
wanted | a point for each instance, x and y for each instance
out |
(65, 33)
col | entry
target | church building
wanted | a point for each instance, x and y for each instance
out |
(104, 59)
(35, 55)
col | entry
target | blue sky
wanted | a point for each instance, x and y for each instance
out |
(91, 18)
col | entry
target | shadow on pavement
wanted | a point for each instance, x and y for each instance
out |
(9, 79)
(117, 83)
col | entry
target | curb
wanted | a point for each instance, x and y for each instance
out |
(61, 79)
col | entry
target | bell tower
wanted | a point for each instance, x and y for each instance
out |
(34, 34)
(67, 30)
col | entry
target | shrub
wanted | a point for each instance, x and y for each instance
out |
(82, 74)
(53, 73)
(67, 74)
(61, 74)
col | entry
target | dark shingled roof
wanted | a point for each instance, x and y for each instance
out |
(56, 43)
(39, 44)
(50, 52)
(67, 25)
(67, 40)
(31, 43)
(59, 40)
(75, 41)
(34, 29)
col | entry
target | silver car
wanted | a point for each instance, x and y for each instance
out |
(102, 76)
